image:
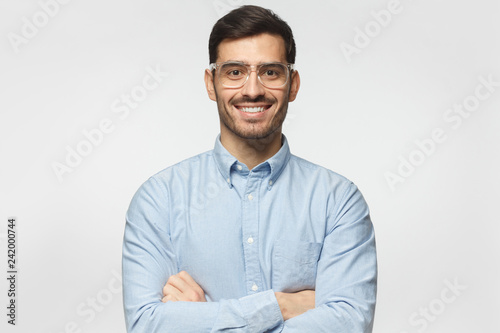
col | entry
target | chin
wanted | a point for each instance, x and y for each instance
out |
(254, 135)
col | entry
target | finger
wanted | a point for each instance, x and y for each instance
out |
(183, 291)
(172, 293)
(168, 298)
(178, 282)
(308, 301)
(195, 293)
(190, 281)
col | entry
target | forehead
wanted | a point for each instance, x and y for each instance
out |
(253, 50)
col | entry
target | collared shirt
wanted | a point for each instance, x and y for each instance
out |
(286, 225)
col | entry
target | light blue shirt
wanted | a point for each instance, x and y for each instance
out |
(286, 225)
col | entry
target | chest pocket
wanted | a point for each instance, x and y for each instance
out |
(294, 265)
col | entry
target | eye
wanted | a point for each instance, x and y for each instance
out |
(270, 72)
(234, 72)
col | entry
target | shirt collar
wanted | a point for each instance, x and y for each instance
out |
(276, 163)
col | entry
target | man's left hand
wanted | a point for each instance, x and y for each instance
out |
(182, 287)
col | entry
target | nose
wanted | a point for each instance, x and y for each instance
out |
(253, 88)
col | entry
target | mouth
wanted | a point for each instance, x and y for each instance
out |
(253, 108)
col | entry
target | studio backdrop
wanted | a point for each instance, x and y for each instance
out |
(400, 96)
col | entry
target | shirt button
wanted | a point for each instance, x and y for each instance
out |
(250, 197)
(255, 287)
(270, 182)
(250, 240)
(228, 180)
(239, 167)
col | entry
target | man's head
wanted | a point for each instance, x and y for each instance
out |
(252, 36)
(249, 21)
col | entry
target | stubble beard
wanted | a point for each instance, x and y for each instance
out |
(252, 130)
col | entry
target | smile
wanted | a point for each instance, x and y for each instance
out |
(252, 109)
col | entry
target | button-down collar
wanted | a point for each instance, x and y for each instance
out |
(277, 163)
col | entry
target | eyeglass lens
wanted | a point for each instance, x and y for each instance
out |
(271, 75)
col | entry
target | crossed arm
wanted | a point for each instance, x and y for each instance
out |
(344, 295)
(182, 287)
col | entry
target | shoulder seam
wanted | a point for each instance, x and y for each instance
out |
(337, 203)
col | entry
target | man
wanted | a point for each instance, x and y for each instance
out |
(247, 237)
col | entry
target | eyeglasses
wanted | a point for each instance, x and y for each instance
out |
(234, 74)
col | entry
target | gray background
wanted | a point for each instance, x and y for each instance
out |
(356, 115)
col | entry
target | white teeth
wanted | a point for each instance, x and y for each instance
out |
(255, 109)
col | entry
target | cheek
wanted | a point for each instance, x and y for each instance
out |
(280, 98)
(226, 97)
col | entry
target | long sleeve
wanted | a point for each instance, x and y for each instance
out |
(347, 273)
(149, 259)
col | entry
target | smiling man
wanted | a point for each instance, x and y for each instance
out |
(248, 237)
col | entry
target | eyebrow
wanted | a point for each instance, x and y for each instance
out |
(245, 63)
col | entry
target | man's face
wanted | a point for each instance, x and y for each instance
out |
(252, 111)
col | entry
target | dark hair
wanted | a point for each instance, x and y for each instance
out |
(247, 21)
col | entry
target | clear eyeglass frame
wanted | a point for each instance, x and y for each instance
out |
(252, 68)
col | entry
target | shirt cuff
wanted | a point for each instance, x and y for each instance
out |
(261, 311)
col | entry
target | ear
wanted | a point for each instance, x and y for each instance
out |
(209, 84)
(294, 86)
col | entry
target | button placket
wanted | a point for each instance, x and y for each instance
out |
(250, 229)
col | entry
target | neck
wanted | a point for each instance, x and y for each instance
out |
(251, 152)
